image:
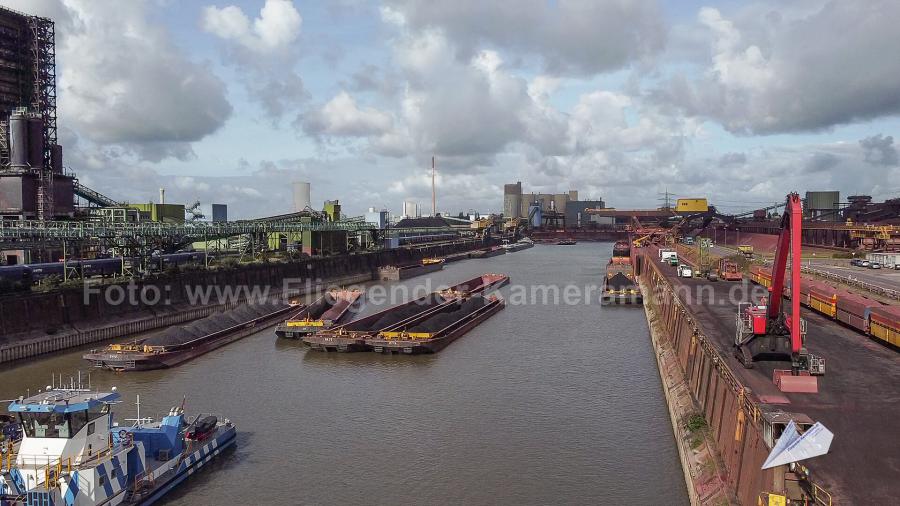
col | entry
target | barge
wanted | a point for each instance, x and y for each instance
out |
(433, 330)
(396, 273)
(333, 308)
(488, 252)
(180, 344)
(354, 336)
(519, 245)
(72, 453)
(619, 286)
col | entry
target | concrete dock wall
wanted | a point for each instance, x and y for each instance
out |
(735, 422)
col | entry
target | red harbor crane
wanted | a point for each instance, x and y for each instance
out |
(766, 330)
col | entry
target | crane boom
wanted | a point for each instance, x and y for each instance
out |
(789, 241)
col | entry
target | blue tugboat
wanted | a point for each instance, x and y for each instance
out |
(72, 453)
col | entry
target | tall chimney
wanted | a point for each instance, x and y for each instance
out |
(162, 195)
(433, 199)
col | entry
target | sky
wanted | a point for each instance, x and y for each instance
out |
(230, 102)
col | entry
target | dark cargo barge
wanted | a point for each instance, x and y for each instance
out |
(619, 285)
(180, 344)
(488, 252)
(333, 308)
(353, 336)
(396, 273)
(432, 331)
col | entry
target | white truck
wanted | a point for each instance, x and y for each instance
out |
(685, 271)
(668, 256)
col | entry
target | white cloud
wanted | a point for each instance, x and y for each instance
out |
(276, 28)
(132, 87)
(567, 36)
(778, 68)
(342, 117)
(264, 50)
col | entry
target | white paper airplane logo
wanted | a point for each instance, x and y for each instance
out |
(792, 447)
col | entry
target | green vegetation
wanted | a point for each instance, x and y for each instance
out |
(696, 427)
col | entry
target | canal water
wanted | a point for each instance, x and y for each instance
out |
(544, 403)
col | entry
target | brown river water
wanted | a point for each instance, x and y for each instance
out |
(544, 403)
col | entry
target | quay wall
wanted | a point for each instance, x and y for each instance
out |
(735, 421)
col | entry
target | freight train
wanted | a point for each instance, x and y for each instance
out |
(872, 318)
(28, 274)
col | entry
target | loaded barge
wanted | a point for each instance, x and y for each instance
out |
(355, 336)
(72, 452)
(488, 252)
(519, 245)
(396, 273)
(333, 308)
(180, 344)
(431, 331)
(619, 286)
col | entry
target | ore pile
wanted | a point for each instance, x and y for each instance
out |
(404, 313)
(442, 320)
(174, 336)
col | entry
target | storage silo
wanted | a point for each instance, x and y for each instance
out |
(18, 139)
(57, 158)
(36, 142)
(512, 199)
(301, 196)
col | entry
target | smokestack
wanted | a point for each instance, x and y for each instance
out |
(433, 199)
(162, 195)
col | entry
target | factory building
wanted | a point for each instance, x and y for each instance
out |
(822, 205)
(517, 204)
(576, 215)
(33, 184)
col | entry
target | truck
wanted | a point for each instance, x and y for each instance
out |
(746, 249)
(668, 256)
(688, 240)
(685, 271)
(729, 270)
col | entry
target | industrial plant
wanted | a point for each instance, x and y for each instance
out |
(576, 352)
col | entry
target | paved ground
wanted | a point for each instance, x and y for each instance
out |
(858, 399)
(884, 278)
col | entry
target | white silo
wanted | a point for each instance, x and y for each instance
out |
(301, 196)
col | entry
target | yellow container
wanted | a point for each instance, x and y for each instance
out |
(691, 205)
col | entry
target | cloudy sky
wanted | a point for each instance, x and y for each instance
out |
(228, 102)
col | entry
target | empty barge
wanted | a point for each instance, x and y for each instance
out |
(180, 344)
(355, 336)
(333, 308)
(396, 273)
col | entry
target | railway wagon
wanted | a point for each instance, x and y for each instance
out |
(884, 324)
(868, 316)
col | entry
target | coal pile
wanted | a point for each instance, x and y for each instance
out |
(317, 308)
(402, 314)
(442, 320)
(215, 322)
(619, 282)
